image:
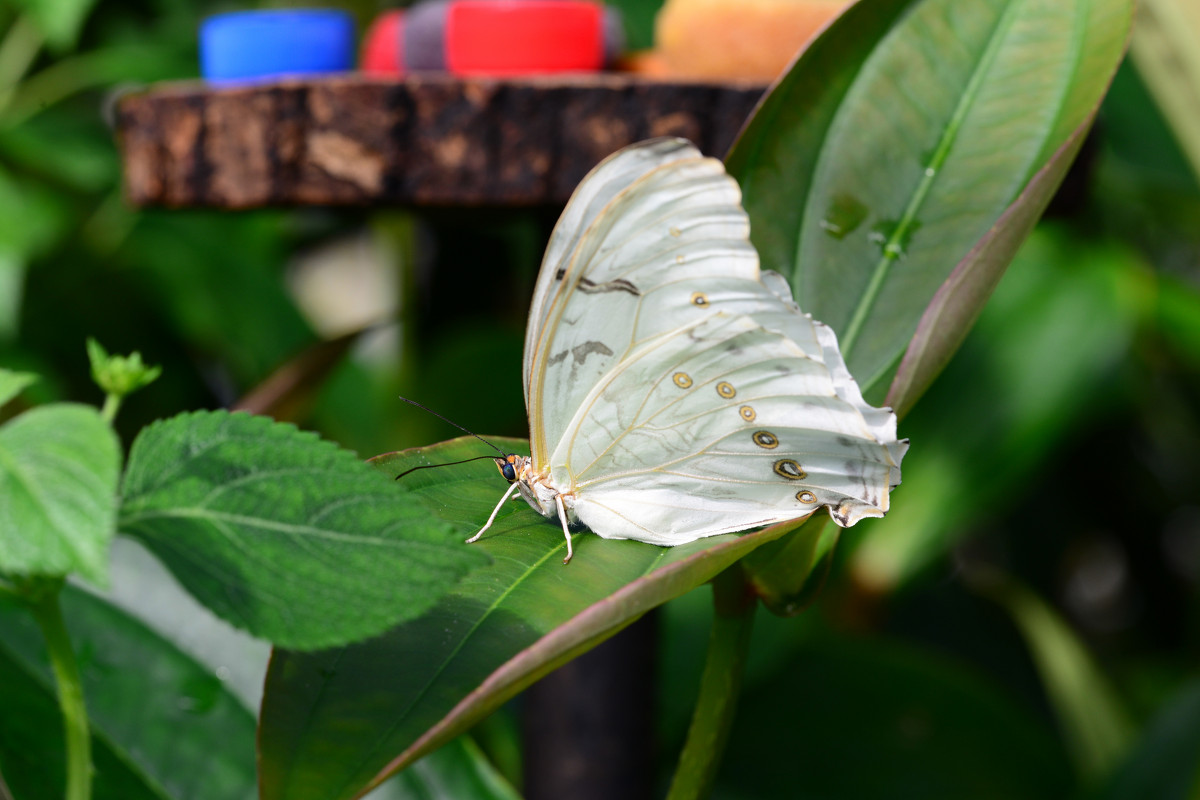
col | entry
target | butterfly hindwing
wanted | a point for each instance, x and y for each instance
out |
(728, 419)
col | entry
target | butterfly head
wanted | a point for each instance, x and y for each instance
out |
(511, 466)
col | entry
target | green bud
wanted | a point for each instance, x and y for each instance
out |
(119, 375)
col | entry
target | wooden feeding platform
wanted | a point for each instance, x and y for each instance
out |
(423, 140)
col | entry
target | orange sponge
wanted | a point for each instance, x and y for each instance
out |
(751, 39)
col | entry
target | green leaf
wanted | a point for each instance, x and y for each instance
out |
(787, 574)
(162, 725)
(283, 534)
(888, 153)
(32, 755)
(1164, 47)
(864, 718)
(58, 481)
(13, 383)
(1164, 764)
(459, 771)
(1095, 724)
(337, 721)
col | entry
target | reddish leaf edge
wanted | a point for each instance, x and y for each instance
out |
(585, 630)
(923, 361)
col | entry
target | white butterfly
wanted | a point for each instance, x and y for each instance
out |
(675, 390)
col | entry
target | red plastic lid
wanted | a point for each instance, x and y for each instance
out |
(383, 49)
(520, 37)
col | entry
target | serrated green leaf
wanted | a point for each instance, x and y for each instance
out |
(12, 383)
(338, 721)
(897, 142)
(285, 535)
(163, 726)
(58, 481)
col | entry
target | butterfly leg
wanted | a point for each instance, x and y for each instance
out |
(495, 511)
(562, 517)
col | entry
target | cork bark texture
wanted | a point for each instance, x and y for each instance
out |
(420, 140)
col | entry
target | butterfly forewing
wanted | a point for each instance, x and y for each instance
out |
(679, 221)
(608, 179)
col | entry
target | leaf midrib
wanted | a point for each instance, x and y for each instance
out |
(892, 247)
(130, 521)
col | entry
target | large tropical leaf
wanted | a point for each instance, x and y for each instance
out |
(337, 721)
(906, 155)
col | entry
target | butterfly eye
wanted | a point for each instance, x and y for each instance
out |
(682, 380)
(506, 469)
(787, 468)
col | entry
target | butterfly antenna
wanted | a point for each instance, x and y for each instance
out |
(455, 424)
(447, 464)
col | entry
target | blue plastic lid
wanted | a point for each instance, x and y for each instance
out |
(244, 45)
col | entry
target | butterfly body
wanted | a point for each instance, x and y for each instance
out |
(674, 389)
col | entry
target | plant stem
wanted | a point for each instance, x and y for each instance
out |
(112, 402)
(725, 662)
(48, 613)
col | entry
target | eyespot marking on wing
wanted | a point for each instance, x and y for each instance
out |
(806, 497)
(682, 380)
(726, 390)
(675, 231)
(787, 468)
(747, 413)
(699, 299)
(766, 439)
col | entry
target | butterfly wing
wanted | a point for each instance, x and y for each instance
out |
(717, 427)
(654, 212)
(674, 390)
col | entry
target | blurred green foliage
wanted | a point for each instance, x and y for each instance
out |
(1061, 449)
